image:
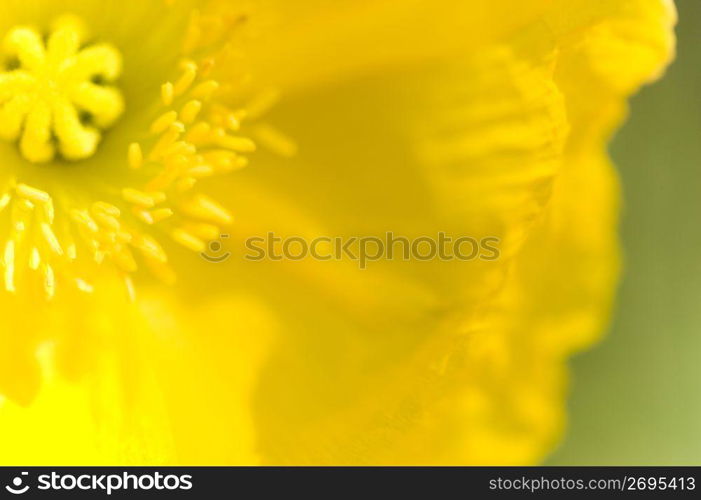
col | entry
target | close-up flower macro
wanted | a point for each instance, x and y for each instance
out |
(301, 232)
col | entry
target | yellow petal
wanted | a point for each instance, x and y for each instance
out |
(412, 363)
(145, 386)
(475, 118)
(307, 43)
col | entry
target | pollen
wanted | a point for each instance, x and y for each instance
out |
(55, 92)
(187, 142)
(65, 233)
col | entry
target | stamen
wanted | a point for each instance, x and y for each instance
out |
(188, 240)
(9, 263)
(203, 231)
(205, 90)
(51, 239)
(140, 198)
(190, 111)
(194, 136)
(136, 156)
(83, 286)
(34, 259)
(163, 122)
(49, 281)
(129, 285)
(33, 194)
(42, 101)
(167, 93)
(5, 201)
(161, 214)
(204, 208)
(275, 141)
(187, 78)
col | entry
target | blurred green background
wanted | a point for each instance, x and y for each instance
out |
(635, 398)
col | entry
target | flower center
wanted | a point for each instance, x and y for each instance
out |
(54, 96)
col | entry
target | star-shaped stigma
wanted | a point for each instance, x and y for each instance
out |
(54, 95)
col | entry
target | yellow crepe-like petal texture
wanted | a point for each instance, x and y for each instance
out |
(138, 387)
(473, 118)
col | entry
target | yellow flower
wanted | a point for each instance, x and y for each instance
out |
(128, 120)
